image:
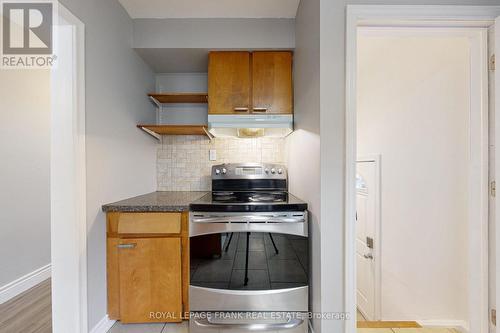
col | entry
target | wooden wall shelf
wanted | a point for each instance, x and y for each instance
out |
(179, 98)
(157, 130)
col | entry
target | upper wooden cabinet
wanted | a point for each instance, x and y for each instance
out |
(272, 82)
(229, 82)
(250, 82)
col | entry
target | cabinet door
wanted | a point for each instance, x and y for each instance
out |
(228, 82)
(150, 280)
(272, 82)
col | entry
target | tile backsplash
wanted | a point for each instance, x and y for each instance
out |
(183, 161)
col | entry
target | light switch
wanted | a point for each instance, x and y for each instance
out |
(213, 155)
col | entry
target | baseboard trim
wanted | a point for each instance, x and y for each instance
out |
(103, 325)
(460, 325)
(18, 286)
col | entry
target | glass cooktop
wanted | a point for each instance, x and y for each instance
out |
(244, 201)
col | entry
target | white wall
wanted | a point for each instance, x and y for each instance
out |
(413, 104)
(24, 172)
(121, 159)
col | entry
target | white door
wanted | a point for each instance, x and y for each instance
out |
(491, 217)
(366, 192)
(494, 219)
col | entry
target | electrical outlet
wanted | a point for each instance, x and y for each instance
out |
(212, 155)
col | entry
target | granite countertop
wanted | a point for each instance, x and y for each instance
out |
(161, 201)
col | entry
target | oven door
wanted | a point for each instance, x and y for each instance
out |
(249, 262)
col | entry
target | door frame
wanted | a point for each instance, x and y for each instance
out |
(68, 193)
(377, 249)
(420, 16)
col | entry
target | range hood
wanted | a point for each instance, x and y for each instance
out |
(250, 125)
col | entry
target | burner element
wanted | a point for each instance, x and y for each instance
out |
(249, 197)
(248, 187)
(267, 197)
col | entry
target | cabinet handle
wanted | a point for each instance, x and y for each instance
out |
(260, 109)
(127, 246)
(241, 109)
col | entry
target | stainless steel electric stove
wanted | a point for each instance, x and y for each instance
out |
(249, 253)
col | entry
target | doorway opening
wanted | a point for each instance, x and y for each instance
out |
(417, 178)
(47, 169)
(416, 108)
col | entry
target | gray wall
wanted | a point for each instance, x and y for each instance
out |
(24, 172)
(183, 113)
(214, 33)
(121, 159)
(332, 113)
(304, 143)
(182, 45)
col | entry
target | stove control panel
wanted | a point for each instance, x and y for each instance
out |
(249, 171)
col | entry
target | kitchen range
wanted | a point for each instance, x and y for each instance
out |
(224, 246)
(248, 253)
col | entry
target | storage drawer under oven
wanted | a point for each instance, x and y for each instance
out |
(242, 322)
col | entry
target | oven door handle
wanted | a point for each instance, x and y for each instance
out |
(249, 218)
(290, 324)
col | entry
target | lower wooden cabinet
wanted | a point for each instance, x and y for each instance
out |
(148, 274)
(150, 279)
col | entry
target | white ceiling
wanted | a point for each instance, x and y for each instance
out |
(211, 8)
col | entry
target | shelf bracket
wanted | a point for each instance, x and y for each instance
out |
(158, 104)
(210, 135)
(153, 134)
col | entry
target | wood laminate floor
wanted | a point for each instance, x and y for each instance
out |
(365, 326)
(407, 330)
(29, 312)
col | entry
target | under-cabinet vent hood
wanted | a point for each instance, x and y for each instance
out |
(252, 125)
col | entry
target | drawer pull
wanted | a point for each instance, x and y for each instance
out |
(262, 109)
(127, 246)
(240, 109)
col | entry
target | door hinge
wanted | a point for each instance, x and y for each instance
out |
(492, 64)
(369, 242)
(494, 317)
(493, 188)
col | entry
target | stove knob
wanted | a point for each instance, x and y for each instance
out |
(217, 171)
(273, 171)
(267, 170)
(224, 171)
(280, 171)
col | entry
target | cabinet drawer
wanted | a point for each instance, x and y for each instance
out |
(149, 223)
